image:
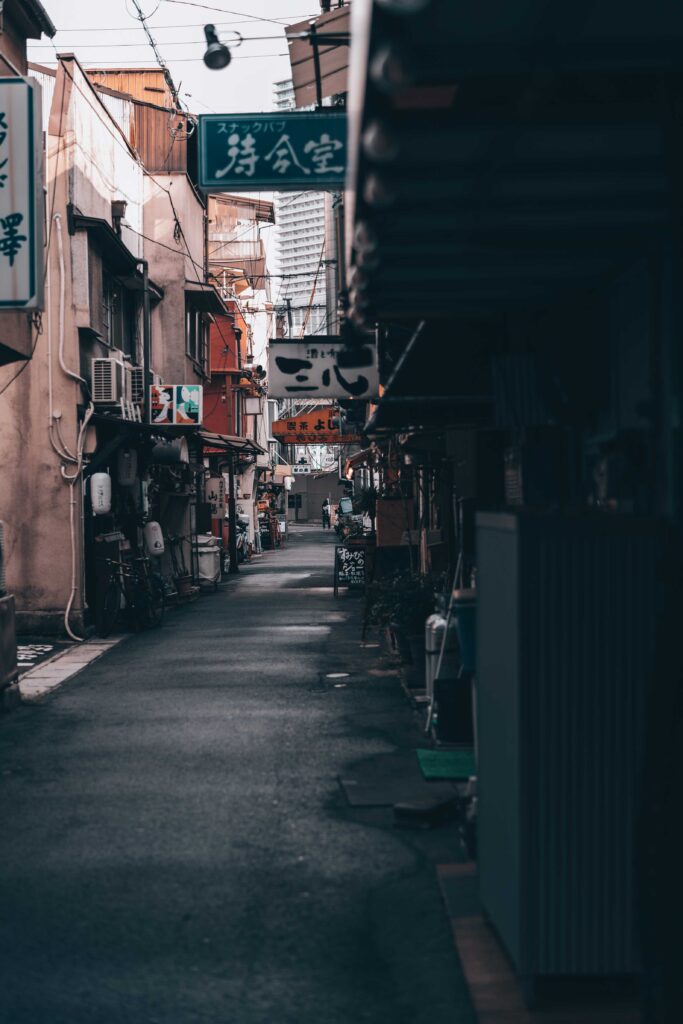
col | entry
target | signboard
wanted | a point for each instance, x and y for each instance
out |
(316, 427)
(289, 150)
(306, 440)
(321, 367)
(176, 405)
(215, 495)
(349, 567)
(21, 208)
(316, 421)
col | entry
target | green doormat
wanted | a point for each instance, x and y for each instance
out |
(447, 764)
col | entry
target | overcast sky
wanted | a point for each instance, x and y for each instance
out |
(107, 33)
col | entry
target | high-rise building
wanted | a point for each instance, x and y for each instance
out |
(300, 227)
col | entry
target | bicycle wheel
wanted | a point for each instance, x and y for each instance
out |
(108, 609)
(156, 604)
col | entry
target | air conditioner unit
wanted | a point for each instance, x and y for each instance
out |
(108, 381)
(136, 384)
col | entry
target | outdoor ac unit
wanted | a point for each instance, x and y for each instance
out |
(108, 381)
(136, 384)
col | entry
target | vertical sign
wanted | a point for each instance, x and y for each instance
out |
(176, 405)
(21, 181)
(297, 150)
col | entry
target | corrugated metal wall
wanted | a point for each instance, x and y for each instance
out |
(159, 150)
(585, 637)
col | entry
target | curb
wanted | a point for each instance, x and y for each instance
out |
(46, 677)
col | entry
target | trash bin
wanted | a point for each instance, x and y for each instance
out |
(208, 552)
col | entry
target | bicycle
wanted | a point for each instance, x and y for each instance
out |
(142, 591)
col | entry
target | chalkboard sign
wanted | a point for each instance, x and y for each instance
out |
(349, 567)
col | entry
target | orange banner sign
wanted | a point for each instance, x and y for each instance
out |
(319, 421)
(319, 438)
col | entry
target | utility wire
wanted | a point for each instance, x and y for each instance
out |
(223, 10)
(191, 24)
(155, 50)
(181, 60)
(168, 42)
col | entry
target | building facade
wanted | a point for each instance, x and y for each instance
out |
(301, 248)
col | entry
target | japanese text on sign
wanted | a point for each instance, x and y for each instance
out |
(291, 150)
(319, 367)
(20, 183)
(349, 566)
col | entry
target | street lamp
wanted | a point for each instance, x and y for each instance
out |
(217, 54)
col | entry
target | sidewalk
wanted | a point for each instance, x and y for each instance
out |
(176, 846)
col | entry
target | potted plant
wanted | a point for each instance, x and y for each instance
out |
(403, 601)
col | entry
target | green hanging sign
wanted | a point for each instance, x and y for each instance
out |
(289, 151)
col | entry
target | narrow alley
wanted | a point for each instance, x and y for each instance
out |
(175, 843)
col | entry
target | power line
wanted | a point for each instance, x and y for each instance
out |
(168, 42)
(155, 51)
(183, 60)
(192, 24)
(223, 10)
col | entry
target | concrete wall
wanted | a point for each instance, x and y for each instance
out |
(314, 488)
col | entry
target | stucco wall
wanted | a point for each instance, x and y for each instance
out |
(171, 265)
(91, 166)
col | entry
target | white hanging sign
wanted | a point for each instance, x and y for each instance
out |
(322, 367)
(21, 183)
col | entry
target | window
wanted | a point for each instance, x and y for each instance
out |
(119, 316)
(196, 333)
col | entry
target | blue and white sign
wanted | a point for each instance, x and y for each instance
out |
(21, 212)
(292, 150)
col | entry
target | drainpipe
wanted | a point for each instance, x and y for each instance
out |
(146, 339)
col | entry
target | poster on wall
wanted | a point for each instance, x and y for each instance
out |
(176, 405)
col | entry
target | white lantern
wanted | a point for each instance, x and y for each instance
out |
(154, 538)
(100, 494)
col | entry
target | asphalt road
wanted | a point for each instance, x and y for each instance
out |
(174, 847)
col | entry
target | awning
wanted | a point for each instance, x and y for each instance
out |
(358, 459)
(442, 379)
(205, 298)
(333, 57)
(117, 256)
(32, 17)
(525, 153)
(216, 443)
(113, 432)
